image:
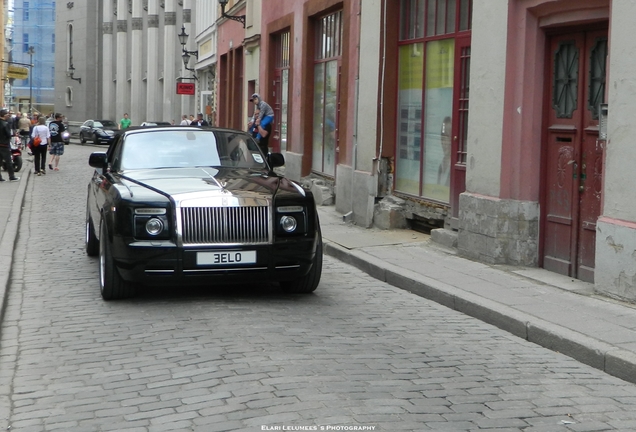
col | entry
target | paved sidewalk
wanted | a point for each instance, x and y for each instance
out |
(554, 311)
(11, 199)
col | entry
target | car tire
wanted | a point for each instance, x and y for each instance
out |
(309, 282)
(82, 139)
(92, 244)
(112, 286)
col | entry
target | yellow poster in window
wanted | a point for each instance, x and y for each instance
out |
(439, 63)
(411, 66)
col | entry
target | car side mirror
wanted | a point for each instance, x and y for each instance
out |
(275, 160)
(97, 160)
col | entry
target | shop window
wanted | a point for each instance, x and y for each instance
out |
(328, 39)
(281, 90)
(427, 94)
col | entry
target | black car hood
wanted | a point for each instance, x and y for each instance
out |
(181, 181)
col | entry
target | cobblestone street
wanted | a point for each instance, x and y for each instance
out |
(356, 354)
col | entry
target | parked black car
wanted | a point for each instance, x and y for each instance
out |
(98, 131)
(177, 206)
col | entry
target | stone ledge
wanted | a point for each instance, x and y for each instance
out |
(445, 237)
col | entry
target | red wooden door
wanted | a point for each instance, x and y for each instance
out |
(573, 157)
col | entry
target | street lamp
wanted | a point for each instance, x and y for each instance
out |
(31, 51)
(71, 72)
(183, 40)
(239, 18)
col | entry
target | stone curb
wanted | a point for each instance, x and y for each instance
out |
(10, 235)
(7, 244)
(590, 351)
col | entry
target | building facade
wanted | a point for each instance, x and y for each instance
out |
(525, 169)
(34, 42)
(232, 106)
(203, 27)
(78, 63)
(369, 96)
(128, 56)
(142, 60)
(550, 140)
(374, 97)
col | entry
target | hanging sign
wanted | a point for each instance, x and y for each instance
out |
(17, 72)
(185, 88)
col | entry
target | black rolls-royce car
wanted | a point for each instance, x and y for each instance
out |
(173, 206)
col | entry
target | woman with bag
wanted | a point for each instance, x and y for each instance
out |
(42, 134)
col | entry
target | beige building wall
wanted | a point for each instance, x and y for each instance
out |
(616, 229)
(487, 87)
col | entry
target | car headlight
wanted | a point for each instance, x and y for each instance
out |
(154, 226)
(291, 219)
(288, 223)
(151, 223)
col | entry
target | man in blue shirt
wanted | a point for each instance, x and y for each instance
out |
(266, 113)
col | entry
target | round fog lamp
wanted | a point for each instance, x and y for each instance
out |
(154, 226)
(288, 223)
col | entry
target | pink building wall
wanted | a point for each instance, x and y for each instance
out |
(296, 16)
(528, 22)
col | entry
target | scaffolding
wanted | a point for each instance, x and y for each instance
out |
(31, 40)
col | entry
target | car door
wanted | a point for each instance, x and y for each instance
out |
(101, 184)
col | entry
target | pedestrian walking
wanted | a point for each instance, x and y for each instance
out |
(5, 145)
(184, 120)
(39, 151)
(125, 122)
(266, 113)
(56, 149)
(24, 128)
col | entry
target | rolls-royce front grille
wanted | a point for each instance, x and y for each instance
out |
(225, 225)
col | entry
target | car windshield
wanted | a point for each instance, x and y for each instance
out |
(192, 148)
(104, 123)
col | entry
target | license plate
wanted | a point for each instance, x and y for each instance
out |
(226, 258)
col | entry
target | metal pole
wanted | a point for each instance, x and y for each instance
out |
(31, 52)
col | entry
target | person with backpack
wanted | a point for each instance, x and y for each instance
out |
(56, 148)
